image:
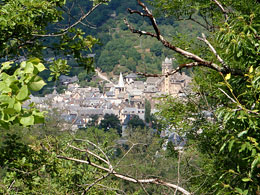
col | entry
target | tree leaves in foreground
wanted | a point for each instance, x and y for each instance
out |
(221, 116)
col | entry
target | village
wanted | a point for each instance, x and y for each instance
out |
(124, 99)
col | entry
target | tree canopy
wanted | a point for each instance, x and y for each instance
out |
(219, 116)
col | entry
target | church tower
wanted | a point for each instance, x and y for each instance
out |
(166, 67)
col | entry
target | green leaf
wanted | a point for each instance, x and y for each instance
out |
(240, 191)
(29, 68)
(10, 111)
(254, 163)
(34, 60)
(36, 86)
(246, 179)
(222, 147)
(4, 88)
(38, 119)
(6, 65)
(5, 99)
(23, 64)
(40, 67)
(26, 121)
(243, 147)
(23, 160)
(17, 106)
(23, 93)
(230, 145)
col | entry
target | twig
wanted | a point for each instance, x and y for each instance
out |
(85, 162)
(108, 162)
(238, 104)
(145, 191)
(111, 189)
(225, 12)
(11, 185)
(181, 66)
(94, 183)
(212, 49)
(178, 179)
(129, 178)
(89, 152)
(234, 101)
(64, 31)
(125, 154)
(71, 16)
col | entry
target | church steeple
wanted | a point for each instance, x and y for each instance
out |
(121, 81)
(120, 87)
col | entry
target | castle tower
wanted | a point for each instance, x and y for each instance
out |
(166, 67)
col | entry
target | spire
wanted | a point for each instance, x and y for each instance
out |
(121, 81)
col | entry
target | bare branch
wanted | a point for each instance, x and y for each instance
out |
(9, 188)
(181, 66)
(128, 178)
(225, 12)
(108, 162)
(234, 101)
(140, 32)
(91, 153)
(238, 104)
(111, 189)
(64, 31)
(125, 154)
(212, 49)
(89, 25)
(94, 183)
(179, 162)
(85, 162)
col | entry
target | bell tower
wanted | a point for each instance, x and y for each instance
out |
(166, 67)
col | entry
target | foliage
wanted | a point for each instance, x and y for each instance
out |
(136, 122)
(15, 89)
(27, 31)
(111, 121)
(31, 165)
(147, 113)
(221, 117)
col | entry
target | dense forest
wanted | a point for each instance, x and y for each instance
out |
(218, 120)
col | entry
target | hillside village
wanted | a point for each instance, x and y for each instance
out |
(123, 99)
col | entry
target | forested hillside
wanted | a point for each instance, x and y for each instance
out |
(205, 141)
(121, 51)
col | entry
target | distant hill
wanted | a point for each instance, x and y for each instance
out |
(122, 51)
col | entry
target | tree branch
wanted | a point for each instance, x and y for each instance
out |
(181, 66)
(94, 183)
(64, 31)
(199, 61)
(91, 153)
(225, 12)
(212, 49)
(118, 175)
